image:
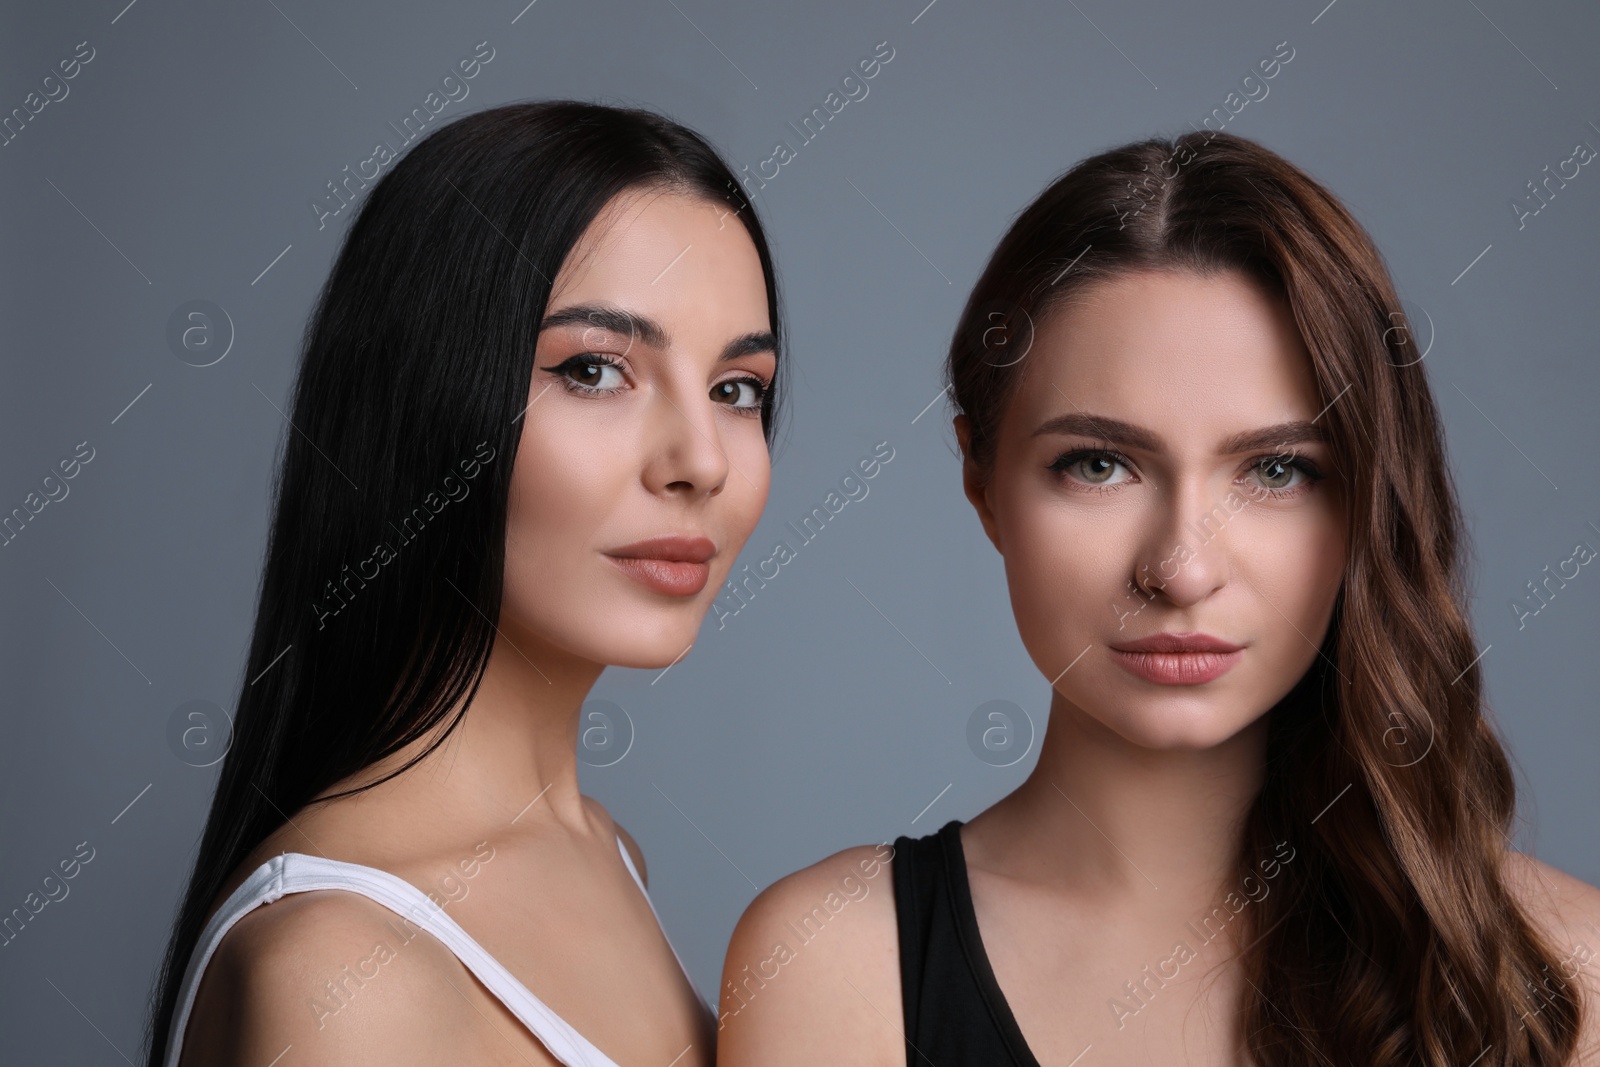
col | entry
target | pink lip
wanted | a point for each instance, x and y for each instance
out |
(1178, 658)
(674, 565)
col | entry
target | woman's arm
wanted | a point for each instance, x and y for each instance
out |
(322, 978)
(813, 970)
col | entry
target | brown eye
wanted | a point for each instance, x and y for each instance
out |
(744, 393)
(587, 372)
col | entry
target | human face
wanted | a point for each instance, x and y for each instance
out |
(1229, 521)
(643, 422)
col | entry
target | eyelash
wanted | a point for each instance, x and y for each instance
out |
(1062, 463)
(595, 359)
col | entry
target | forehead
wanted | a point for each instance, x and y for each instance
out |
(671, 256)
(1195, 357)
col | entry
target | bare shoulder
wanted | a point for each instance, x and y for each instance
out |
(635, 853)
(813, 969)
(1567, 907)
(1567, 911)
(335, 976)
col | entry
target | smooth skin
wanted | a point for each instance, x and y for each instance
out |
(1127, 827)
(666, 440)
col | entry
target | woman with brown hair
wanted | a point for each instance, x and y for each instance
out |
(1268, 823)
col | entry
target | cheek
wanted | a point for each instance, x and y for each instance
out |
(565, 477)
(744, 494)
(1294, 564)
(566, 481)
(1064, 569)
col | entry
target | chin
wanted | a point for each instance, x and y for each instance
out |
(1159, 737)
(650, 639)
(1185, 725)
(643, 655)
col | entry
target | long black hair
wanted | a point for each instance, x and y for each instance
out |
(390, 503)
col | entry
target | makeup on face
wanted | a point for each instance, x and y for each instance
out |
(674, 565)
(1170, 658)
(1164, 497)
(643, 463)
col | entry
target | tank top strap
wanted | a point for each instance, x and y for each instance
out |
(296, 872)
(953, 1008)
(626, 858)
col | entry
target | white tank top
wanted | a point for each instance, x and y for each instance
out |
(297, 872)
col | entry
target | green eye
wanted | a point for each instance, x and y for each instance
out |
(1091, 466)
(1097, 476)
(1276, 473)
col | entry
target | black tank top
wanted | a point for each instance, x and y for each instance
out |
(955, 1013)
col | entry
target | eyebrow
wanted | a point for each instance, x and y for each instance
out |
(648, 330)
(1128, 435)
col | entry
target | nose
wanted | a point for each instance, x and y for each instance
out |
(1183, 556)
(686, 453)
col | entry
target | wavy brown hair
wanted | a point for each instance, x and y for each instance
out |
(1393, 938)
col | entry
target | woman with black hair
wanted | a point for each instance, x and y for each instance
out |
(531, 432)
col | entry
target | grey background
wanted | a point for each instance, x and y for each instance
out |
(826, 713)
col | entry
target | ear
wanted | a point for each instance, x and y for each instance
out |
(972, 482)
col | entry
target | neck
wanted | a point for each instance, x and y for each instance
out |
(511, 760)
(1106, 818)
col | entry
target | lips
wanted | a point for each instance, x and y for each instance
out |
(1178, 658)
(1178, 642)
(673, 565)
